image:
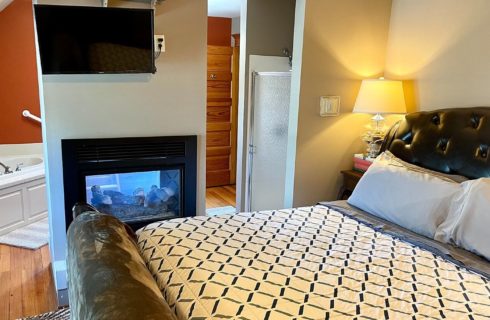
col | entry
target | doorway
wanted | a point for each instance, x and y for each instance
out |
(267, 32)
(221, 114)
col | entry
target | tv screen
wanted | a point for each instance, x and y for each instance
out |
(83, 40)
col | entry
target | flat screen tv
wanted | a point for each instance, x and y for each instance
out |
(87, 40)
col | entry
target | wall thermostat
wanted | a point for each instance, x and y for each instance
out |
(329, 106)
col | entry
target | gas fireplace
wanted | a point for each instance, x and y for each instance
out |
(137, 180)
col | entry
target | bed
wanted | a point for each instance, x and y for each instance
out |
(311, 263)
(328, 261)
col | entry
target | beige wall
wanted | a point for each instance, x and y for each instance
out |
(170, 102)
(444, 47)
(337, 53)
(439, 47)
(267, 27)
(270, 26)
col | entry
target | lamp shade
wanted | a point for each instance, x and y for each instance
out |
(380, 96)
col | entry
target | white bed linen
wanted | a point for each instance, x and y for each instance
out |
(407, 195)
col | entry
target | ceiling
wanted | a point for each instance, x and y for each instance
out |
(224, 8)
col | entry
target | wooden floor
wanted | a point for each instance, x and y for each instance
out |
(26, 282)
(220, 197)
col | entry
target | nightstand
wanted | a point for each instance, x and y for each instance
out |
(351, 178)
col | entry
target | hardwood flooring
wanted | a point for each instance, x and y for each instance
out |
(220, 197)
(26, 282)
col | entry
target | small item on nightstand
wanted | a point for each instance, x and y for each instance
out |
(362, 162)
(373, 140)
(351, 178)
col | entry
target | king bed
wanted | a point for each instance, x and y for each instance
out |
(328, 261)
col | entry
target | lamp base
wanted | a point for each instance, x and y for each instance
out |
(374, 148)
(374, 138)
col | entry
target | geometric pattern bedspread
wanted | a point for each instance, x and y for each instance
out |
(305, 263)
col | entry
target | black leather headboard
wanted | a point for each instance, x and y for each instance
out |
(454, 141)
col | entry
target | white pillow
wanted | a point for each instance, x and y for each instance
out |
(406, 195)
(469, 218)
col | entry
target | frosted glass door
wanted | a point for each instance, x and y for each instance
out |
(268, 140)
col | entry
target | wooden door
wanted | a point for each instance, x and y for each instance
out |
(219, 117)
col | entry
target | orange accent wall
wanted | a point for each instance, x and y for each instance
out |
(18, 74)
(219, 31)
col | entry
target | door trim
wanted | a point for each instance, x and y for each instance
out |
(235, 76)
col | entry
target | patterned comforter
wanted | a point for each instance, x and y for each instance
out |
(305, 263)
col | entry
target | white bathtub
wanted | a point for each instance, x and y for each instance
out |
(22, 193)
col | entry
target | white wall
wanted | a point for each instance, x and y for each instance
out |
(171, 102)
(4, 4)
(20, 149)
(235, 28)
(443, 47)
(235, 25)
(296, 72)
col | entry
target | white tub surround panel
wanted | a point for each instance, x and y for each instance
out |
(22, 204)
(22, 193)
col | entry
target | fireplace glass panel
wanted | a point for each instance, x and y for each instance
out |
(136, 196)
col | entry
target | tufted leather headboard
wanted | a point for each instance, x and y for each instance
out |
(454, 141)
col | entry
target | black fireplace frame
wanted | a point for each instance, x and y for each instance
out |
(84, 157)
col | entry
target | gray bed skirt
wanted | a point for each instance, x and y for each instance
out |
(451, 253)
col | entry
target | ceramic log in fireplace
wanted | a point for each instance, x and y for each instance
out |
(138, 180)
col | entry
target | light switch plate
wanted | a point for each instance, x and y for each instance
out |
(329, 106)
(159, 38)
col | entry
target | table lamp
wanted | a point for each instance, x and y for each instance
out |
(378, 97)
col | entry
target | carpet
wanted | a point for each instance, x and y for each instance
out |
(61, 314)
(211, 212)
(32, 236)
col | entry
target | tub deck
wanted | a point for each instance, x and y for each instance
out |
(23, 193)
